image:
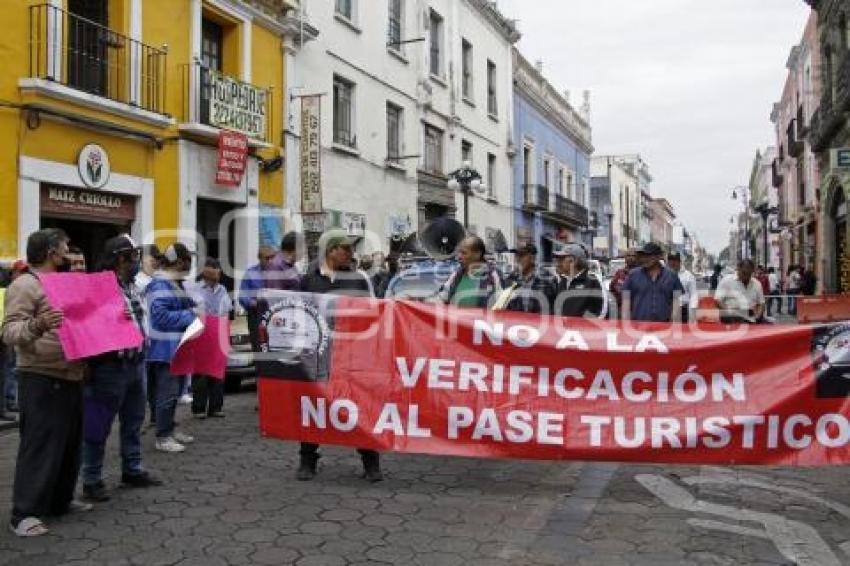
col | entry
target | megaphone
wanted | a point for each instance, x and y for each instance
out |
(441, 237)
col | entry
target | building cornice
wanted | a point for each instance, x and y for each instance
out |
(506, 28)
(533, 86)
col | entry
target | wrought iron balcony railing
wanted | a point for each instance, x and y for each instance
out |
(84, 55)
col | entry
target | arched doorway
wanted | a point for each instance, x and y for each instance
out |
(839, 263)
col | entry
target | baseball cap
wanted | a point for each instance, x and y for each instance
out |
(526, 249)
(575, 250)
(651, 249)
(118, 244)
(676, 256)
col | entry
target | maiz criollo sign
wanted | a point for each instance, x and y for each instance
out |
(237, 106)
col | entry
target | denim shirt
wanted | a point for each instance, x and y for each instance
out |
(652, 300)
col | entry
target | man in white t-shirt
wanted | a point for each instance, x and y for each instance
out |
(740, 297)
(690, 298)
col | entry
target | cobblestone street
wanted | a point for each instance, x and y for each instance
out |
(232, 499)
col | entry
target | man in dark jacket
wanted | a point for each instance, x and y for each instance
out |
(530, 292)
(333, 274)
(579, 292)
(116, 387)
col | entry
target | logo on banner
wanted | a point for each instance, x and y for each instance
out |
(232, 158)
(296, 335)
(93, 166)
(831, 350)
(311, 159)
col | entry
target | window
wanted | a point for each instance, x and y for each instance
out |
(393, 132)
(344, 113)
(433, 158)
(492, 107)
(526, 165)
(467, 70)
(547, 170)
(394, 25)
(466, 152)
(562, 189)
(211, 42)
(345, 8)
(436, 43)
(491, 175)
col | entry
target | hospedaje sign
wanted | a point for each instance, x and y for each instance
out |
(237, 106)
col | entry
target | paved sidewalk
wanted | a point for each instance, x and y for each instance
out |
(232, 499)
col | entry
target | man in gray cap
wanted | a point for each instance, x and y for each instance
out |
(652, 291)
(529, 291)
(579, 292)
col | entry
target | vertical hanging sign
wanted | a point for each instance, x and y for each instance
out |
(311, 163)
(232, 158)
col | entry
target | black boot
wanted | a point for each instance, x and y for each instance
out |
(307, 467)
(372, 466)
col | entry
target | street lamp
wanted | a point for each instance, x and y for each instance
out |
(765, 211)
(466, 180)
(609, 212)
(743, 193)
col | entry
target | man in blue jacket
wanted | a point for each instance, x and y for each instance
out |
(171, 312)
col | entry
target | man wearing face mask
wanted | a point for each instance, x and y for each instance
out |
(50, 393)
(116, 387)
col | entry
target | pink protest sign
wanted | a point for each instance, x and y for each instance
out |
(95, 313)
(205, 354)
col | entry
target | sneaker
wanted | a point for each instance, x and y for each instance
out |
(95, 493)
(169, 444)
(143, 479)
(183, 438)
(185, 399)
(79, 507)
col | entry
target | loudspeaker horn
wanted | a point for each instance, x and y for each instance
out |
(441, 237)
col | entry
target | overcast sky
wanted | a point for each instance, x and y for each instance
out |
(688, 84)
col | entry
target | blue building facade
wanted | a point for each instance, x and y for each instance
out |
(551, 167)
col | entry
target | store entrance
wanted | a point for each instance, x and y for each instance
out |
(219, 238)
(90, 237)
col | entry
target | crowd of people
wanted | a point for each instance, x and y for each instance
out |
(68, 408)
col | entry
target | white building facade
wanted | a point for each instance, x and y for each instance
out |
(410, 90)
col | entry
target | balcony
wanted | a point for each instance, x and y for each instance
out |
(73, 58)
(569, 212)
(214, 101)
(777, 178)
(830, 117)
(536, 197)
(802, 128)
(795, 146)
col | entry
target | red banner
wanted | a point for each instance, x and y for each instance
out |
(207, 353)
(420, 378)
(232, 158)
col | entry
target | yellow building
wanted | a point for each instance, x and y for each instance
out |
(110, 115)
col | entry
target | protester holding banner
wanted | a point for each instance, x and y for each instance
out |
(171, 312)
(50, 393)
(652, 291)
(211, 296)
(579, 292)
(333, 274)
(475, 282)
(528, 290)
(740, 297)
(116, 387)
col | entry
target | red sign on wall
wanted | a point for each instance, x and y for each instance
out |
(232, 158)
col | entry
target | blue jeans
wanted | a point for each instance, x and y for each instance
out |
(168, 388)
(115, 388)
